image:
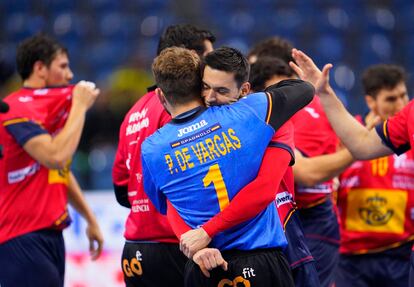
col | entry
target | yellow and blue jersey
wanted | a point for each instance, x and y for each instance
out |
(203, 158)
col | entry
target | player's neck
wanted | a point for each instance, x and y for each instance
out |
(34, 82)
(182, 108)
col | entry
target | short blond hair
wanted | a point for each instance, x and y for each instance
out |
(177, 72)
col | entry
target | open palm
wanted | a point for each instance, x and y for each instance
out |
(308, 71)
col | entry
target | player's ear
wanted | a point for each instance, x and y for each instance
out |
(161, 96)
(371, 103)
(40, 69)
(245, 89)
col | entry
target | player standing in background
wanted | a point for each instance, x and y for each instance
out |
(393, 135)
(199, 148)
(151, 255)
(39, 135)
(376, 198)
(313, 137)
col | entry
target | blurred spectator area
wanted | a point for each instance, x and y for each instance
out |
(113, 42)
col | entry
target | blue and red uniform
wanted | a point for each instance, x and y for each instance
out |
(398, 134)
(314, 137)
(198, 149)
(33, 198)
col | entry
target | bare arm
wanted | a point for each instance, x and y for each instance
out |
(362, 143)
(310, 171)
(54, 152)
(93, 232)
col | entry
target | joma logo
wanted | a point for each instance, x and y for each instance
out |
(191, 128)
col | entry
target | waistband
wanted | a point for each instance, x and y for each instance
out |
(238, 253)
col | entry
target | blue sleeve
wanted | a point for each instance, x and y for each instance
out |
(24, 131)
(157, 198)
(259, 103)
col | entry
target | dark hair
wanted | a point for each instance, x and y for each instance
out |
(37, 48)
(186, 36)
(229, 60)
(177, 72)
(273, 47)
(264, 69)
(382, 76)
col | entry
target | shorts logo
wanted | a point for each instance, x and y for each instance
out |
(239, 280)
(191, 128)
(283, 198)
(132, 267)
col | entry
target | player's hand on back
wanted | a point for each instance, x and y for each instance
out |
(308, 71)
(94, 234)
(208, 259)
(193, 241)
(85, 94)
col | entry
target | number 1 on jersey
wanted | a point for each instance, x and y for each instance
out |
(214, 176)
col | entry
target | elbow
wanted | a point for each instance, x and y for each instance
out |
(56, 161)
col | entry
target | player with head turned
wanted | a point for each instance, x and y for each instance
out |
(199, 177)
(39, 136)
(313, 173)
(151, 255)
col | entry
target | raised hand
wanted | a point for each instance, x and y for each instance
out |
(308, 71)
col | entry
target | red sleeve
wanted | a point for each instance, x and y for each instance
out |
(177, 223)
(284, 139)
(255, 196)
(394, 131)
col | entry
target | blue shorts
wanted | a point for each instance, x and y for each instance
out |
(298, 255)
(321, 228)
(412, 270)
(33, 259)
(388, 268)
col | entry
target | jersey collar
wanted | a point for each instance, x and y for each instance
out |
(188, 115)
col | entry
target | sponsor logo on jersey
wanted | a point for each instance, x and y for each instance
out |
(21, 174)
(25, 99)
(137, 121)
(40, 92)
(283, 198)
(192, 128)
(376, 210)
(196, 136)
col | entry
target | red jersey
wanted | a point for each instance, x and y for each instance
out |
(285, 197)
(144, 222)
(32, 196)
(314, 136)
(376, 204)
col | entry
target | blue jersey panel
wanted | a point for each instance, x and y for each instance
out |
(201, 164)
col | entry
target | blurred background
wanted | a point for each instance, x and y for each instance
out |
(113, 42)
